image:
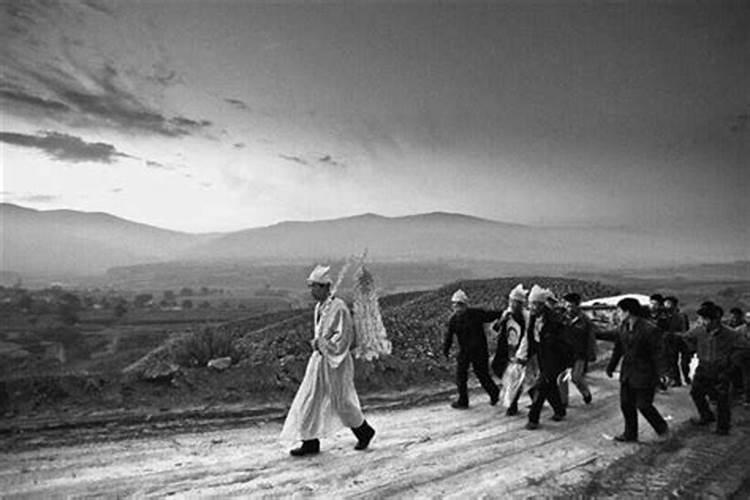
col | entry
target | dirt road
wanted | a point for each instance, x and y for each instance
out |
(424, 451)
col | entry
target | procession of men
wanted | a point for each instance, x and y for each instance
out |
(542, 345)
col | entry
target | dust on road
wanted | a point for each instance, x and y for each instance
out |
(424, 451)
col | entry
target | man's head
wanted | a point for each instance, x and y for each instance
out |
(656, 302)
(671, 303)
(736, 317)
(628, 309)
(320, 282)
(538, 300)
(572, 302)
(709, 315)
(517, 298)
(459, 302)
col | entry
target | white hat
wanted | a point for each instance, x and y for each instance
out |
(321, 274)
(538, 294)
(518, 293)
(460, 296)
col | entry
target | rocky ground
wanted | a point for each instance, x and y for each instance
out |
(423, 449)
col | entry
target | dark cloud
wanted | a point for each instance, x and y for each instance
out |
(329, 161)
(156, 164)
(239, 145)
(318, 160)
(740, 122)
(75, 89)
(65, 147)
(238, 104)
(294, 159)
(33, 101)
(116, 190)
(39, 198)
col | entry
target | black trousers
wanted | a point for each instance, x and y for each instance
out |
(634, 400)
(677, 355)
(546, 390)
(479, 362)
(710, 384)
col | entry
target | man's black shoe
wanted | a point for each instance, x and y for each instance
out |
(364, 434)
(622, 438)
(511, 411)
(494, 399)
(532, 426)
(558, 417)
(309, 447)
(587, 399)
(459, 405)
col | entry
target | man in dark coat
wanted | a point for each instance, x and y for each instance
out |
(678, 353)
(658, 316)
(638, 345)
(579, 331)
(715, 344)
(544, 340)
(467, 325)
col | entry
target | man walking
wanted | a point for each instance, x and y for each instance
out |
(327, 397)
(545, 341)
(467, 325)
(512, 327)
(715, 343)
(579, 331)
(638, 345)
(678, 353)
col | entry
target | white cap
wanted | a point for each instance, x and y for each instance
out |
(518, 293)
(321, 274)
(539, 294)
(460, 296)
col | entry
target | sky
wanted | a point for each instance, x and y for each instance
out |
(225, 115)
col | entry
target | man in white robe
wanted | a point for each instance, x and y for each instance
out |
(327, 397)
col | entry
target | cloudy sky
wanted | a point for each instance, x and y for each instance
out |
(224, 115)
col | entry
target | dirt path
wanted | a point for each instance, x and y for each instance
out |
(425, 451)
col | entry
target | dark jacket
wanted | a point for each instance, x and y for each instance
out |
(553, 351)
(468, 327)
(579, 331)
(640, 351)
(715, 348)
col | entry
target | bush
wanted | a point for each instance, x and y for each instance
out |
(198, 347)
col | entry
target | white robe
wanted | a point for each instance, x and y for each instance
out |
(327, 390)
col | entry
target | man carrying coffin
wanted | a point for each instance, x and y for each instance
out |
(467, 325)
(326, 397)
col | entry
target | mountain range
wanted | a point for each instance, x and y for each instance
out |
(68, 242)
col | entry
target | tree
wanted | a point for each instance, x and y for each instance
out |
(186, 292)
(142, 299)
(169, 295)
(68, 306)
(187, 304)
(120, 309)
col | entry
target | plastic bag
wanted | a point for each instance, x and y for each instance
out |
(512, 382)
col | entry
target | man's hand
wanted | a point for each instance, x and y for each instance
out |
(609, 373)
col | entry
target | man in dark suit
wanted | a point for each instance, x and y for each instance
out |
(467, 325)
(546, 342)
(638, 344)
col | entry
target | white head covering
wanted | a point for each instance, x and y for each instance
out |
(518, 293)
(538, 294)
(321, 274)
(460, 296)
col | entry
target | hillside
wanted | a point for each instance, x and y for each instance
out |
(60, 242)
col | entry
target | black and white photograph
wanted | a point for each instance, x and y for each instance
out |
(374, 249)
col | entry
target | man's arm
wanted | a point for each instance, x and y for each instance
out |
(448, 340)
(616, 355)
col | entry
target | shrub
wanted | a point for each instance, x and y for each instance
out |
(198, 347)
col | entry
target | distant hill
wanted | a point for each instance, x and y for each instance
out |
(59, 242)
(67, 242)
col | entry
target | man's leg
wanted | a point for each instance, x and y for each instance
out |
(562, 388)
(553, 396)
(480, 364)
(686, 355)
(723, 406)
(629, 412)
(579, 379)
(645, 404)
(745, 367)
(701, 388)
(462, 375)
(540, 395)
